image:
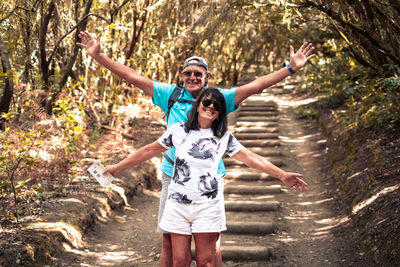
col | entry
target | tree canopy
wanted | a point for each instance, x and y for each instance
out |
(355, 41)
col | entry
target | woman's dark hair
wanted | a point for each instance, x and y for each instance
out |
(220, 125)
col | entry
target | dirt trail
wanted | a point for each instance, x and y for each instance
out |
(127, 238)
(306, 233)
(311, 221)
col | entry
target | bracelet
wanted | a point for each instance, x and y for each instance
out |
(290, 69)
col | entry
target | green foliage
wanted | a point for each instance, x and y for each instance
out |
(375, 105)
(308, 113)
(15, 156)
(70, 119)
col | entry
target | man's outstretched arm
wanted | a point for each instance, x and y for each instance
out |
(297, 61)
(93, 49)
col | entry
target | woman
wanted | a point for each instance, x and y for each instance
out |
(194, 199)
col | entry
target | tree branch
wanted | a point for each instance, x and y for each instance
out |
(109, 21)
(12, 11)
(115, 12)
(354, 28)
(72, 29)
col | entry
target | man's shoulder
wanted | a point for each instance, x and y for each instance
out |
(227, 91)
(162, 92)
(163, 86)
(177, 125)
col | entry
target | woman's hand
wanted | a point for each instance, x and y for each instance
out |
(89, 43)
(300, 58)
(293, 181)
(112, 169)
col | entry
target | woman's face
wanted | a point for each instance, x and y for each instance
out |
(208, 109)
(194, 77)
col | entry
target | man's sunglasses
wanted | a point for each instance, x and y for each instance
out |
(197, 74)
(207, 101)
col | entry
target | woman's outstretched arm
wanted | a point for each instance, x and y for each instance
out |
(137, 157)
(254, 161)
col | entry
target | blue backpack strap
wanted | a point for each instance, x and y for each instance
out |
(174, 97)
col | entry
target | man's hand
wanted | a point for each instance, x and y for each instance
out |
(89, 43)
(293, 181)
(300, 58)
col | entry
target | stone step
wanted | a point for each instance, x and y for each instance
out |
(253, 189)
(258, 103)
(233, 162)
(258, 119)
(259, 129)
(252, 136)
(246, 253)
(257, 124)
(260, 143)
(241, 174)
(250, 206)
(266, 152)
(250, 228)
(243, 113)
(250, 197)
(264, 217)
(257, 109)
(242, 253)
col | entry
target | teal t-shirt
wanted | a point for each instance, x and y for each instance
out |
(178, 113)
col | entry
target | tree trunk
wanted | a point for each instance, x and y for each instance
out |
(66, 72)
(44, 63)
(136, 32)
(5, 100)
(235, 72)
(28, 50)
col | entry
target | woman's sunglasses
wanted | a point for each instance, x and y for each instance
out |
(197, 74)
(207, 101)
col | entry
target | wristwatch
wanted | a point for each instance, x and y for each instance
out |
(287, 65)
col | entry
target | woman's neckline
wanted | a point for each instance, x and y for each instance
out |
(205, 129)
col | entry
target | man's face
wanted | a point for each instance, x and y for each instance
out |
(194, 78)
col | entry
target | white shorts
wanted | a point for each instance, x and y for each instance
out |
(187, 219)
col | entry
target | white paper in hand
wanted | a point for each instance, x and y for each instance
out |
(96, 170)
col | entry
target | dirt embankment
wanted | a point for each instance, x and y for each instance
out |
(66, 220)
(62, 220)
(366, 167)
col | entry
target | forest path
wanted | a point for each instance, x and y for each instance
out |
(304, 227)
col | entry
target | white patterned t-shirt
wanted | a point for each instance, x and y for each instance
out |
(197, 154)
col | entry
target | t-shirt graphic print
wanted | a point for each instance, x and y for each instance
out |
(195, 177)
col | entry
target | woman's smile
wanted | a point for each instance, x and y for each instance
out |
(209, 110)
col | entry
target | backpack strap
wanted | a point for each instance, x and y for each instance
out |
(174, 97)
(168, 159)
